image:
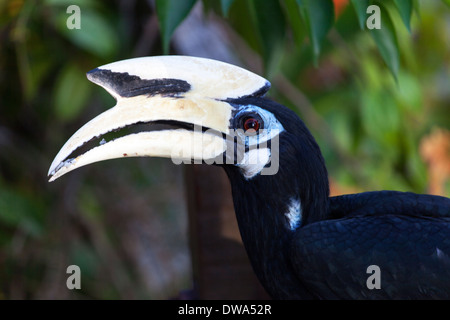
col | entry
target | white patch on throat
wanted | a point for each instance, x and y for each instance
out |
(254, 161)
(294, 214)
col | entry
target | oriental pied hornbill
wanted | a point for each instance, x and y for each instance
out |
(302, 243)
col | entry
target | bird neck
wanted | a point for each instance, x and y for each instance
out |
(260, 207)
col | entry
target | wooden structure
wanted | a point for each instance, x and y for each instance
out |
(220, 264)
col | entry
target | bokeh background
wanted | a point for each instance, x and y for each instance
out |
(378, 105)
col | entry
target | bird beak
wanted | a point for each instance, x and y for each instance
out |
(189, 94)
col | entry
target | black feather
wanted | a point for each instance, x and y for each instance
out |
(406, 235)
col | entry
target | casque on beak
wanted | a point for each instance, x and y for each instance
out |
(184, 92)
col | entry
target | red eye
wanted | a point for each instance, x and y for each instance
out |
(251, 124)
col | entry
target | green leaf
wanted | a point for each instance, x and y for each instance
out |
(270, 27)
(408, 93)
(416, 7)
(71, 93)
(225, 5)
(360, 7)
(447, 2)
(19, 210)
(319, 18)
(386, 41)
(246, 28)
(170, 14)
(405, 7)
(380, 116)
(295, 21)
(96, 34)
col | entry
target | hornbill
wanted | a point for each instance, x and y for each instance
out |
(302, 243)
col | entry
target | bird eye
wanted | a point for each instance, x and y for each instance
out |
(251, 124)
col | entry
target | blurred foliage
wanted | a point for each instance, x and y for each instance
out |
(376, 100)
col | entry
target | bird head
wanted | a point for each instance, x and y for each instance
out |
(192, 110)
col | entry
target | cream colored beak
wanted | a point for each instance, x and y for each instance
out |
(186, 92)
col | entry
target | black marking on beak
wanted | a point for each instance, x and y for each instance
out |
(126, 85)
(261, 91)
